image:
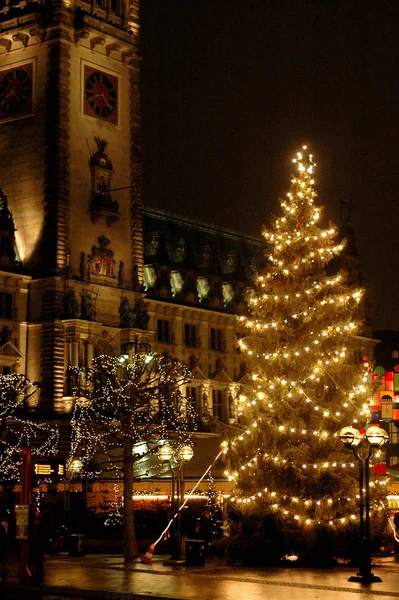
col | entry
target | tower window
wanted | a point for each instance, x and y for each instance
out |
(5, 305)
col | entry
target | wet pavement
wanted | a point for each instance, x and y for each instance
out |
(108, 578)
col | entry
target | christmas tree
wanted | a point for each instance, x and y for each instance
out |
(292, 473)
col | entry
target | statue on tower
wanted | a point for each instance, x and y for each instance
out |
(7, 234)
(102, 205)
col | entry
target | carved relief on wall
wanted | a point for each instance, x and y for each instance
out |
(104, 344)
(230, 262)
(101, 260)
(102, 205)
(88, 304)
(180, 250)
(153, 244)
(133, 317)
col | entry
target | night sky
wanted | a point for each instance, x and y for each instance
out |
(231, 89)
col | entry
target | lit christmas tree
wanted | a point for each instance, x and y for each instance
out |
(124, 412)
(289, 465)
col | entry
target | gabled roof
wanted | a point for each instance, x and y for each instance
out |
(197, 373)
(222, 377)
(8, 349)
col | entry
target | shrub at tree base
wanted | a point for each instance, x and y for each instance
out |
(267, 540)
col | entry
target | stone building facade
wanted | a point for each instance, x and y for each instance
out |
(83, 275)
(84, 270)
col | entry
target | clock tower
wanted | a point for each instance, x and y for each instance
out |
(70, 166)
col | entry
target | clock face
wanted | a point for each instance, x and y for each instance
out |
(100, 95)
(16, 92)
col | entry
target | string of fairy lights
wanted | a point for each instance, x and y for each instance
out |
(17, 431)
(296, 294)
(139, 402)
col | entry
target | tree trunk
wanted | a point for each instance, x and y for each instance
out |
(130, 546)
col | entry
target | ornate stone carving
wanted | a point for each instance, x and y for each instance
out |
(7, 234)
(96, 41)
(180, 252)
(87, 305)
(22, 38)
(38, 32)
(133, 317)
(101, 260)
(5, 335)
(109, 48)
(104, 344)
(71, 305)
(80, 35)
(193, 362)
(206, 254)
(129, 57)
(153, 244)
(6, 44)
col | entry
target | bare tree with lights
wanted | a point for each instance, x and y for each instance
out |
(18, 429)
(123, 407)
(288, 463)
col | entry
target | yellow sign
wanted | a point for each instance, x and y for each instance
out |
(49, 467)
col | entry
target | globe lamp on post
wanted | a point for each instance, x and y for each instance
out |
(176, 457)
(74, 467)
(363, 447)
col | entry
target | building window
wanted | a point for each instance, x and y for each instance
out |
(216, 339)
(5, 305)
(217, 403)
(190, 336)
(163, 331)
(191, 398)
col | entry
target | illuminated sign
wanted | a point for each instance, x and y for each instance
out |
(49, 468)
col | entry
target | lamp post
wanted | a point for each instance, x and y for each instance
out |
(75, 466)
(137, 347)
(363, 447)
(177, 458)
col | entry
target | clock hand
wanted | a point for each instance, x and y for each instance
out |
(107, 103)
(101, 95)
(12, 93)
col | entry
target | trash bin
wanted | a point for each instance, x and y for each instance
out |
(195, 553)
(76, 543)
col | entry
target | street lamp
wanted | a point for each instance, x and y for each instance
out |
(137, 347)
(363, 447)
(176, 457)
(74, 467)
